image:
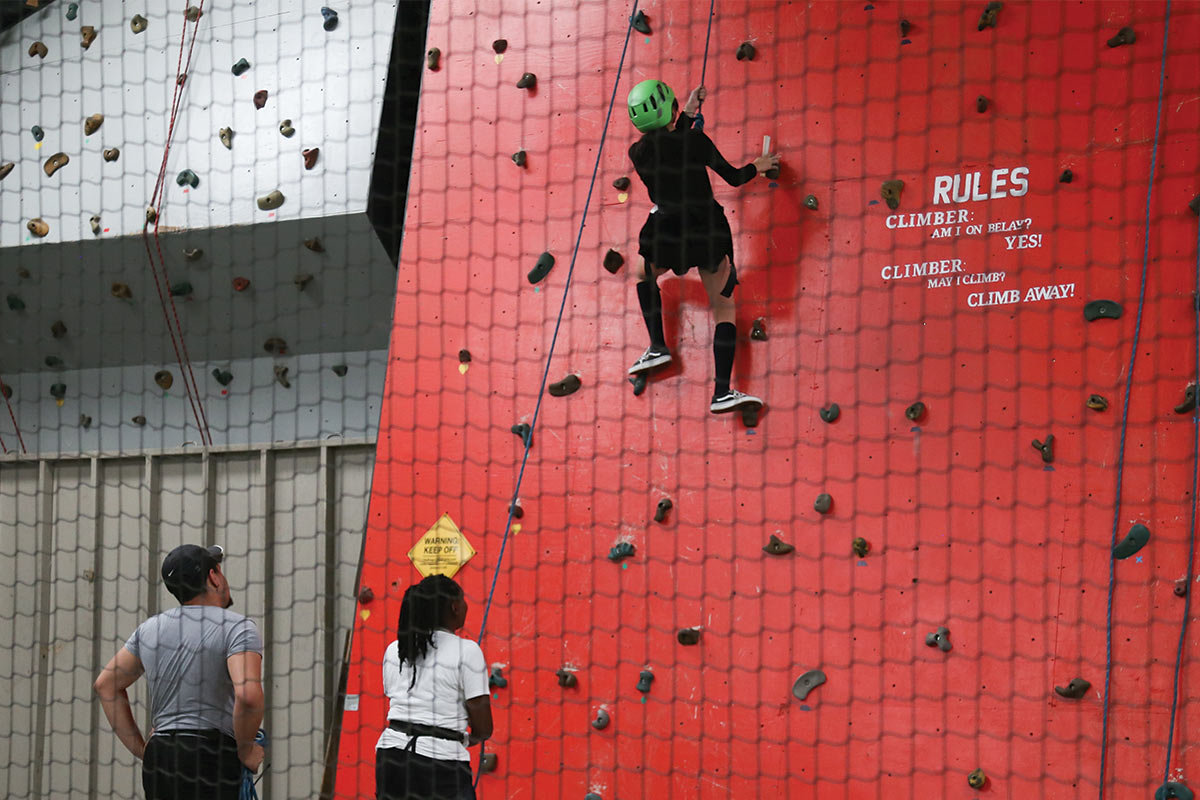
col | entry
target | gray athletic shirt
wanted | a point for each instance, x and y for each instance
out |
(184, 651)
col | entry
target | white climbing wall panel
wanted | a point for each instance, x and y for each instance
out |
(330, 84)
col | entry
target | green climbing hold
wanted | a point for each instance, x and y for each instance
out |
(38, 133)
(807, 682)
(810, 202)
(15, 303)
(778, 547)
(860, 546)
(830, 413)
(645, 678)
(54, 362)
(566, 678)
(224, 377)
(1074, 690)
(181, 289)
(240, 67)
(915, 412)
(187, 178)
(545, 263)
(72, 11)
(496, 678)
(823, 503)
(58, 391)
(602, 719)
(620, 551)
(525, 432)
(340, 370)
(976, 779)
(641, 23)
(1173, 790)
(1136, 539)
(1102, 309)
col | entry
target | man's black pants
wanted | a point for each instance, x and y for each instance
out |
(402, 775)
(191, 765)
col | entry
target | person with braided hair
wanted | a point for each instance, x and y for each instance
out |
(437, 686)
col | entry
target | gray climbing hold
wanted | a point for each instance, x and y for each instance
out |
(1135, 540)
(778, 547)
(38, 133)
(645, 678)
(545, 263)
(58, 391)
(192, 13)
(981, 104)
(496, 678)
(1074, 690)
(758, 331)
(688, 636)
(621, 184)
(85, 421)
(806, 683)
(193, 254)
(891, 193)
(830, 413)
(58, 330)
(1101, 309)
(661, 510)
(340, 370)
(139, 420)
(1046, 448)
(433, 59)
(988, 18)
(281, 376)
(138, 24)
(187, 178)
(602, 719)
(746, 52)
(1189, 400)
(53, 362)
(164, 379)
(524, 432)
(823, 503)
(527, 81)
(499, 46)
(271, 201)
(620, 551)
(566, 678)
(939, 639)
(95, 223)
(1173, 790)
(1124, 36)
(860, 546)
(568, 385)
(1066, 177)
(1097, 402)
(810, 202)
(286, 129)
(331, 18)
(613, 261)
(641, 23)
(915, 412)
(519, 158)
(487, 762)
(976, 778)
(223, 376)
(639, 383)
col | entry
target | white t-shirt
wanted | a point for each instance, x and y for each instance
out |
(452, 672)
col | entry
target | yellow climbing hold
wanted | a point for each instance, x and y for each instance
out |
(462, 368)
(622, 197)
(366, 612)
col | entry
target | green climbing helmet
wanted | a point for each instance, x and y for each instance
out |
(650, 105)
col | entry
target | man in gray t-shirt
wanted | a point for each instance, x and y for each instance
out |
(203, 663)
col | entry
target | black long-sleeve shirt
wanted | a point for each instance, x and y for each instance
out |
(673, 165)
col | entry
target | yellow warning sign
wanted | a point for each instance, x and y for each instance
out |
(442, 550)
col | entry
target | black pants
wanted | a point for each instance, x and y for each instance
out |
(401, 775)
(199, 765)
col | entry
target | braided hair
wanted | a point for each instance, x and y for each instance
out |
(425, 608)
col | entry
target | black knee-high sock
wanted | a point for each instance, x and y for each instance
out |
(724, 344)
(650, 299)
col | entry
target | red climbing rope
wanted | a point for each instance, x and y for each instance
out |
(16, 427)
(191, 387)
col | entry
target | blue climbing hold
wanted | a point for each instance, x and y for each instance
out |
(1173, 789)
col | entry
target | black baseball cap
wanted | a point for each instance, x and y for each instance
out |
(186, 567)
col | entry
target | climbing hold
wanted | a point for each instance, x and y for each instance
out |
(976, 779)
(1074, 690)
(6, 168)
(223, 376)
(181, 289)
(593, 796)
(621, 183)
(746, 52)
(187, 178)
(487, 762)
(1097, 402)
(275, 346)
(525, 432)
(138, 23)
(95, 223)
(226, 137)
(85, 421)
(602, 719)
(823, 503)
(940, 639)
(621, 550)
(988, 18)
(807, 682)
(566, 678)
(281, 376)
(122, 291)
(915, 412)
(38, 133)
(891, 193)
(192, 13)
(1046, 448)
(58, 391)
(772, 173)
(1181, 587)
(613, 261)
(1124, 36)
(639, 383)
(272, 201)
(860, 546)
(500, 45)
(164, 379)
(810, 202)
(193, 254)
(778, 547)
(545, 263)
(464, 356)
(496, 678)
(93, 123)
(315, 245)
(88, 34)
(38, 227)
(519, 158)
(23, 273)
(641, 23)
(340, 370)
(645, 678)
(56, 162)
(527, 81)
(1194, 205)
(72, 11)
(241, 67)
(1189, 400)
(58, 330)
(1101, 309)
(568, 385)
(830, 413)
(15, 303)
(286, 129)
(302, 280)
(1135, 540)
(433, 59)
(6, 390)
(241, 284)
(1173, 790)
(981, 104)
(38, 49)
(260, 98)
(757, 331)
(139, 420)
(310, 157)
(1066, 177)
(516, 510)
(53, 362)
(660, 512)
(182, 79)
(365, 595)
(688, 636)
(905, 27)
(112, 154)
(331, 18)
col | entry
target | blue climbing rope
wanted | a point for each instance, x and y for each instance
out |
(248, 790)
(1137, 330)
(704, 66)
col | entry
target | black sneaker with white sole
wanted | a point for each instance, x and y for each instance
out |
(650, 359)
(733, 400)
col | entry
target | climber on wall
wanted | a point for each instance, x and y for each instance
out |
(687, 227)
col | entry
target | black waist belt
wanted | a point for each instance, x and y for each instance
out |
(209, 735)
(415, 730)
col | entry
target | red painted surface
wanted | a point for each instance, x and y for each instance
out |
(968, 529)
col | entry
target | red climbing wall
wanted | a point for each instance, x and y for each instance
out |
(968, 527)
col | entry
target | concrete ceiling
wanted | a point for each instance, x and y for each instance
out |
(347, 307)
(13, 11)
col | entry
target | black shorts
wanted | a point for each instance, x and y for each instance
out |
(191, 765)
(401, 775)
(681, 238)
